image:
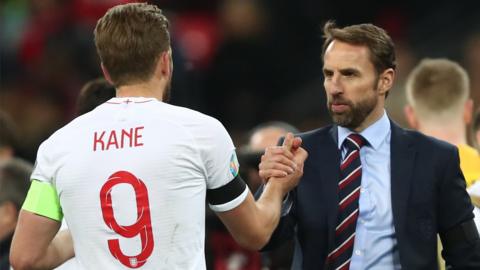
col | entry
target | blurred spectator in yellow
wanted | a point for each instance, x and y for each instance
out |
(439, 105)
(8, 137)
(94, 93)
(14, 183)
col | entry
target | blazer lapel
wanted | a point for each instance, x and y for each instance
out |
(402, 158)
(330, 168)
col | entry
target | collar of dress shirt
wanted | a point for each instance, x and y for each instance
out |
(374, 134)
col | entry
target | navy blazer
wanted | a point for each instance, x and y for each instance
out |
(428, 197)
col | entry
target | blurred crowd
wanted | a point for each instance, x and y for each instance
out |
(245, 62)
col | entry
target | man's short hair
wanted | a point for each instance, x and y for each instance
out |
(130, 39)
(94, 93)
(379, 43)
(14, 181)
(437, 89)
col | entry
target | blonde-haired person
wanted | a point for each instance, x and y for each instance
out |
(438, 93)
(438, 100)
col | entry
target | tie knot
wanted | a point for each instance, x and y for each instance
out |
(355, 140)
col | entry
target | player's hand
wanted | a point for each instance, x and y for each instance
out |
(284, 162)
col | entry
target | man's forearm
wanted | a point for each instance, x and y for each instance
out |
(58, 252)
(36, 244)
(252, 223)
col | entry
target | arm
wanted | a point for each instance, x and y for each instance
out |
(35, 244)
(252, 223)
(460, 240)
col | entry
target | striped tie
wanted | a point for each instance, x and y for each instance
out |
(348, 195)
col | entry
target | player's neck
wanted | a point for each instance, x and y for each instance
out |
(152, 88)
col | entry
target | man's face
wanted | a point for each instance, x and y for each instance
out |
(351, 85)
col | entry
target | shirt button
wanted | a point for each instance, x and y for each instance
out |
(361, 221)
(358, 252)
(362, 190)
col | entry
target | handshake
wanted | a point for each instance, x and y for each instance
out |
(283, 165)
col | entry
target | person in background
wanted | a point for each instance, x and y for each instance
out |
(439, 105)
(373, 195)
(14, 183)
(94, 93)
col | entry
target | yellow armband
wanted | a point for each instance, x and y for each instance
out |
(42, 199)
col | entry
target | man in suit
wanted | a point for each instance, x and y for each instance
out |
(373, 195)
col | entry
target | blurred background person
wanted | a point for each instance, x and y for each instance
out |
(94, 93)
(14, 184)
(439, 105)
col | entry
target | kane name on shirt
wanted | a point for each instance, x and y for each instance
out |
(117, 139)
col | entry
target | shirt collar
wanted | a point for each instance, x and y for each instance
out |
(375, 134)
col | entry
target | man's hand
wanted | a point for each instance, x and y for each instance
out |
(284, 164)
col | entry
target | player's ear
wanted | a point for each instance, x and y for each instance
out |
(106, 74)
(166, 63)
(410, 116)
(468, 111)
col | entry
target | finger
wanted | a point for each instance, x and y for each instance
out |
(297, 142)
(300, 156)
(287, 143)
(269, 162)
(267, 174)
(278, 150)
(277, 166)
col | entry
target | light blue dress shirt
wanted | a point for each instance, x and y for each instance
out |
(375, 243)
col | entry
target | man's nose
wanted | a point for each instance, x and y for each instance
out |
(335, 87)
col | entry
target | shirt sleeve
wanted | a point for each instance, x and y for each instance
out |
(222, 167)
(42, 197)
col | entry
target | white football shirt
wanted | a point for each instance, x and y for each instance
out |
(132, 177)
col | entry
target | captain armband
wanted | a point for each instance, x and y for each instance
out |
(42, 199)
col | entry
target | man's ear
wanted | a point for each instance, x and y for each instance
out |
(166, 64)
(410, 116)
(468, 111)
(106, 74)
(385, 80)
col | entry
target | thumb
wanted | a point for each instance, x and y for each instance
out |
(288, 142)
(297, 142)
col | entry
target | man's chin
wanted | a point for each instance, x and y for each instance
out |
(341, 119)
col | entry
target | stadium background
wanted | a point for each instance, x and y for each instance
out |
(241, 61)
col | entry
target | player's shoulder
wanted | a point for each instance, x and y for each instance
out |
(191, 119)
(67, 132)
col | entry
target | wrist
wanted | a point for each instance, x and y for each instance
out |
(277, 187)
